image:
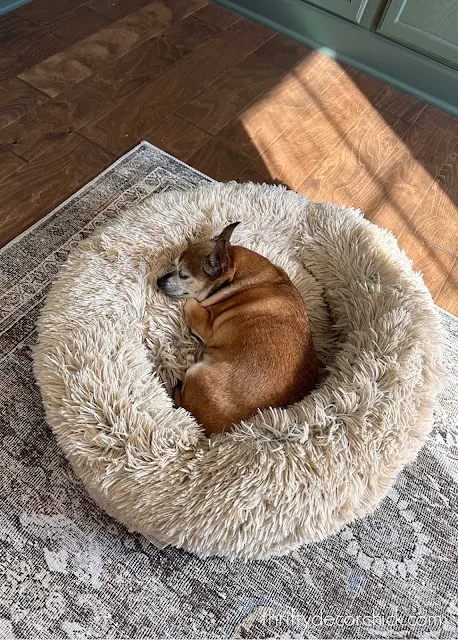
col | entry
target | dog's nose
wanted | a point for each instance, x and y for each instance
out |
(161, 281)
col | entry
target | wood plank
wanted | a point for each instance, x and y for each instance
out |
(16, 99)
(36, 188)
(63, 70)
(40, 11)
(303, 146)
(13, 26)
(166, 131)
(66, 29)
(283, 52)
(264, 121)
(19, 54)
(250, 176)
(448, 297)
(444, 120)
(129, 125)
(437, 217)
(219, 161)
(199, 70)
(404, 179)
(399, 104)
(31, 135)
(166, 92)
(73, 26)
(174, 135)
(116, 9)
(356, 160)
(223, 100)
(58, 118)
(432, 261)
(9, 163)
(217, 16)
(213, 108)
(158, 53)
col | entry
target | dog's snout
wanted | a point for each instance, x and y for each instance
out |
(162, 280)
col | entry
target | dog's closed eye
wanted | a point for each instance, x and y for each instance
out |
(182, 275)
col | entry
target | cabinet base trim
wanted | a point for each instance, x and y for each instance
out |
(372, 53)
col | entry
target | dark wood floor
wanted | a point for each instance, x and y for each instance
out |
(83, 82)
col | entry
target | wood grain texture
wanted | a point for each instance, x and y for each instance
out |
(225, 98)
(437, 217)
(219, 161)
(60, 71)
(41, 11)
(160, 52)
(401, 183)
(175, 87)
(59, 117)
(176, 136)
(126, 126)
(73, 26)
(9, 163)
(285, 53)
(16, 99)
(19, 54)
(317, 131)
(399, 104)
(217, 16)
(115, 9)
(273, 111)
(269, 116)
(168, 132)
(165, 93)
(444, 120)
(13, 26)
(19, 38)
(213, 108)
(36, 188)
(38, 130)
(434, 263)
(356, 160)
(448, 296)
(250, 176)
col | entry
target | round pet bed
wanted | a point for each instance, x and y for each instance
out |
(111, 347)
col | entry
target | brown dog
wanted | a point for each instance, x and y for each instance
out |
(258, 345)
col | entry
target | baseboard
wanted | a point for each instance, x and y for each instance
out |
(10, 5)
(370, 52)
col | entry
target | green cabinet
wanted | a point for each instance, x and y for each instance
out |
(430, 26)
(350, 9)
(410, 44)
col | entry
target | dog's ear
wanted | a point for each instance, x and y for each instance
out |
(227, 232)
(219, 259)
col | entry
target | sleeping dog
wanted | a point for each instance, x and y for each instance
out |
(252, 320)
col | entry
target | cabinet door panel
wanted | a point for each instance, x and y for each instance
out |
(430, 26)
(350, 9)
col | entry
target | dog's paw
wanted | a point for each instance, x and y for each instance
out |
(190, 309)
(190, 305)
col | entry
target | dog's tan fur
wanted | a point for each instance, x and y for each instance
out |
(252, 320)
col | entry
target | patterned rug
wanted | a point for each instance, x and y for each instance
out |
(69, 571)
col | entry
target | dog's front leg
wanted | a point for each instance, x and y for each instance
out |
(199, 319)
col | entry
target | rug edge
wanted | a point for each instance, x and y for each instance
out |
(143, 143)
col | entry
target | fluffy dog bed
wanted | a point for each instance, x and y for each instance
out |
(111, 347)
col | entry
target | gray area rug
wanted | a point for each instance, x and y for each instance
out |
(68, 571)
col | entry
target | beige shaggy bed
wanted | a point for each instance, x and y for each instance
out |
(111, 347)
